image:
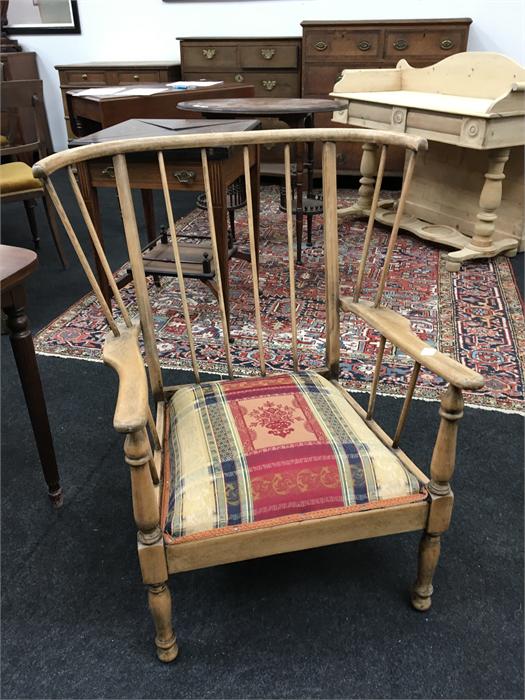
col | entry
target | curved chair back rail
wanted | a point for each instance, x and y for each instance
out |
(49, 165)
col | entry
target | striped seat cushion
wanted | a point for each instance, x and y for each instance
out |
(257, 452)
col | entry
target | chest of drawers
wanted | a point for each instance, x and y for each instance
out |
(272, 66)
(79, 75)
(331, 46)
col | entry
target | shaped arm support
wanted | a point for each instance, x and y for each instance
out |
(396, 329)
(122, 353)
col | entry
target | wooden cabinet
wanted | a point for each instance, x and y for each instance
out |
(272, 66)
(81, 75)
(331, 46)
(22, 65)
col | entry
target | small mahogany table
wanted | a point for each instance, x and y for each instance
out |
(16, 264)
(296, 113)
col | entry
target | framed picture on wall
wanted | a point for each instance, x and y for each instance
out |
(40, 17)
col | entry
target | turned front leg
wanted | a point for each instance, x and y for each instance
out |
(151, 553)
(441, 497)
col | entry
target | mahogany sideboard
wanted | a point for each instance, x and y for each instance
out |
(329, 47)
(100, 74)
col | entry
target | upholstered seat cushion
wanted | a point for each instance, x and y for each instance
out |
(255, 452)
(17, 176)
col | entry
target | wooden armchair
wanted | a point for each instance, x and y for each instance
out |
(248, 467)
(21, 102)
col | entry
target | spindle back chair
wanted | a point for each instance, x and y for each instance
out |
(243, 468)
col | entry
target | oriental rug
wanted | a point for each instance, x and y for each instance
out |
(475, 315)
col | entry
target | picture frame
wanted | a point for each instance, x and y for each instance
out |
(46, 9)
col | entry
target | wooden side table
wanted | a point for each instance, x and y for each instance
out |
(296, 113)
(16, 265)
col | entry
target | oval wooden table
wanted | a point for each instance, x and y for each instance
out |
(16, 265)
(296, 113)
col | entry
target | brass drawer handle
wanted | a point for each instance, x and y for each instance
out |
(109, 171)
(268, 84)
(267, 53)
(239, 78)
(209, 53)
(136, 77)
(447, 44)
(321, 46)
(400, 45)
(340, 158)
(185, 177)
(84, 76)
(364, 46)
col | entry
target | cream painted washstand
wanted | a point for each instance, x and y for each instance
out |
(467, 190)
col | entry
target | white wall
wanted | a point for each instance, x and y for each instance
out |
(139, 30)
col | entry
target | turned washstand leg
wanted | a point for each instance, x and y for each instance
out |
(369, 163)
(482, 244)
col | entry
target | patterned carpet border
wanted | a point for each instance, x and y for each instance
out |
(475, 315)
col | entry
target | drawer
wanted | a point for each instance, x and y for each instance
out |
(359, 44)
(180, 175)
(319, 81)
(73, 78)
(439, 43)
(273, 84)
(130, 77)
(209, 57)
(268, 56)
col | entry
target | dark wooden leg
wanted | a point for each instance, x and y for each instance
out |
(255, 180)
(51, 220)
(89, 193)
(13, 304)
(220, 210)
(299, 164)
(29, 205)
(149, 213)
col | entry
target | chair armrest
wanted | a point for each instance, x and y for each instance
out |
(397, 330)
(122, 353)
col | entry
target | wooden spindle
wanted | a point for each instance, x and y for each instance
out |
(406, 405)
(98, 247)
(178, 264)
(370, 226)
(253, 258)
(153, 430)
(291, 263)
(81, 256)
(211, 224)
(331, 257)
(139, 278)
(375, 379)
(409, 170)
